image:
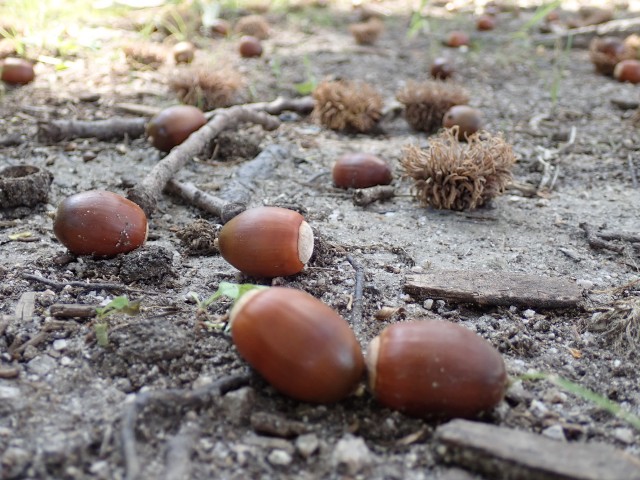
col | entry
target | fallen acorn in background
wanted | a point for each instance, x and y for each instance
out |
(250, 47)
(466, 118)
(433, 368)
(173, 125)
(442, 68)
(267, 242)
(360, 170)
(17, 71)
(627, 71)
(100, 223)
(184, 52)
(301, 346)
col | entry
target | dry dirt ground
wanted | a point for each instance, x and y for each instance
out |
(64, 399)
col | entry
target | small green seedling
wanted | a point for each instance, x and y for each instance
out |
(310, 84)
(119, 304)
(226, 289)
(612, 407)
(419, 22)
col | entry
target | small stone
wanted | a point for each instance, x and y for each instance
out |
(624, 435)
(65, 361)
(279, 457)
(586, 284)
(351, 455)
(14, 461)
(556, 432)
(41, 365)
(7, 392)
(428, 304)
(538, 409)
(60, 344)
(529, 313)
(307, 444)
(238, 404)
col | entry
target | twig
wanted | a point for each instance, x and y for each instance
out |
(204, 201)
(365, 196)
(138, 109)
(596, 242)
(623, 236)
(585, 34)
(115, 127)
(174, 398)
(60, 310)
(83, 285)
(356, 311)
(147, 192)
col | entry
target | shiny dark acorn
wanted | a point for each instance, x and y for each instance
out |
(100, 223)
(301, 346)
(360, 170)
(173, 125)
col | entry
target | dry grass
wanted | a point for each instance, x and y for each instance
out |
(344, 105)
(619, 322)
(458, 176)
(205, 89)
(426, 103)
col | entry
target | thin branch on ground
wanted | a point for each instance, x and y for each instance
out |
(204, 201)
(84, 285)
(597, 241)
(148, 191)
(114, 127)
(582, 36)
(176, 398)
(356, 311)
(302, 105)
(365, 196)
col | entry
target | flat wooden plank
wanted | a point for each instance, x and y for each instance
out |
(495, 288)
(502, 453)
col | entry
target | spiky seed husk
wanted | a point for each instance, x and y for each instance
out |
(366, 33)
(457, 176)
(253, 25)
(144, 54)
(426, 102)
(206, 89)
(345, 105)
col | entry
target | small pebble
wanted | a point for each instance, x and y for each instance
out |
(556, 432)
(529, 313)
(351, 454)
(307, 444)
(428, 303)
(279, 457)
(60, 344)
(624, 435)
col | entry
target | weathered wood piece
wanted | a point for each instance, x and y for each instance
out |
(495, 288)
(505, 454)
(115, 127)
(72, 310)
(582, 36)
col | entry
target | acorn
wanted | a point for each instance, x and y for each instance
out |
(627, 71)
(485, 22)
(100, 223)
(456, 39)
(184, 52)
(250, 47)
(173, 125)
(434, 368)
(442, 68)
(267, 242)
(466, 118)
(17, 71)
(360, 170)
(219, 27)
(302, 347)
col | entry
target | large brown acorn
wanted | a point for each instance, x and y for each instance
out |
(173, 125)
(360, 170)
(267, 242)
(100, 223)
(435, 368)
(17, 71)
(302, 347)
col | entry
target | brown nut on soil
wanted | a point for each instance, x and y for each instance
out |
(435, 368)
(486, 22)
(302, 347)
(468, 120)
(442, 68)
(100, 223)
(250, 47)
(360, 170)
(184, 52)
(17, 71)
(627, 71)
(267, 242)
(456, 39)
(173, 125)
